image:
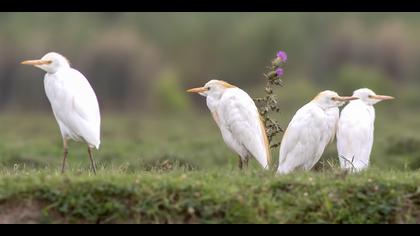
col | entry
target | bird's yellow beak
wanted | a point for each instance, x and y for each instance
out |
(36, 62)
(197, 90)
(382, 97)
(344, 98)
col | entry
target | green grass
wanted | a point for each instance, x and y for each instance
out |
(176, 169)
(139, 141)
(34, 140)
(212, 196)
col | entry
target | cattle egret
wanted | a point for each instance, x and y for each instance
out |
(73, 102)
(311, 129)
(355, 130)
(239, 121)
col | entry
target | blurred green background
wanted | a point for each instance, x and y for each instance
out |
(141, 63)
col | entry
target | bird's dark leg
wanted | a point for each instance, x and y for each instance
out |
(246, 162)
(65, 148)
(92, 162)
(240, 163)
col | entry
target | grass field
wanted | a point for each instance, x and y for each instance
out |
(214, 196)
(176, 169)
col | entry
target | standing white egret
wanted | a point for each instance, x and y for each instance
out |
(311, 129)
(73, 102)
(355, 130)
(238, 119)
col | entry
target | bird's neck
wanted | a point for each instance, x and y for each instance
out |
(320, 105)
(212, 103)
(57, 69)
(360, 101)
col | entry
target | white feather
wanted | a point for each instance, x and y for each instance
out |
(74, 104)
(309, 132)
(333, 114)
(241, 126)
(355, 135)
(305, 138)
(238, 119)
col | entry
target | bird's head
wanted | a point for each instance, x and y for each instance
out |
(369, 97)
(213, 88)
(329, 99)
(50, 63)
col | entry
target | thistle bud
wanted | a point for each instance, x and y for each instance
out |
(282, 56)
(279, 72)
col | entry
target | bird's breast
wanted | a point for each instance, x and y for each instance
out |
(215, 117)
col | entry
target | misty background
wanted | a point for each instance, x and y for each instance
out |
(138, 60)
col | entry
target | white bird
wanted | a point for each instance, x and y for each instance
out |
(355, 130)
(238, 119)
(73, 102)
(311, 129)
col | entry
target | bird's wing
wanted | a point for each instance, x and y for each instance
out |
(85, 104)
(355, 134)
(304, 139)
(333, 115)
(238, 113)
(75, 105)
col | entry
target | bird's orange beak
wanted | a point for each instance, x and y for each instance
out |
(36, 62)
(345, 98)
(197, 90)
(382, 97)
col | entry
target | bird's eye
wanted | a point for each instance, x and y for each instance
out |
(333, 98)
(369, 96)
(208, 88)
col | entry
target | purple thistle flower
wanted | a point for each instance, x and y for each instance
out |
(282, 55)
(279, 72)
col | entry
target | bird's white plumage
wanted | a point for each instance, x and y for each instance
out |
(333, 115)
(74, 104)
(308, 133)
(239, 121)
(306, 138)
(356, 128)
(241, 125)
(355, 135)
